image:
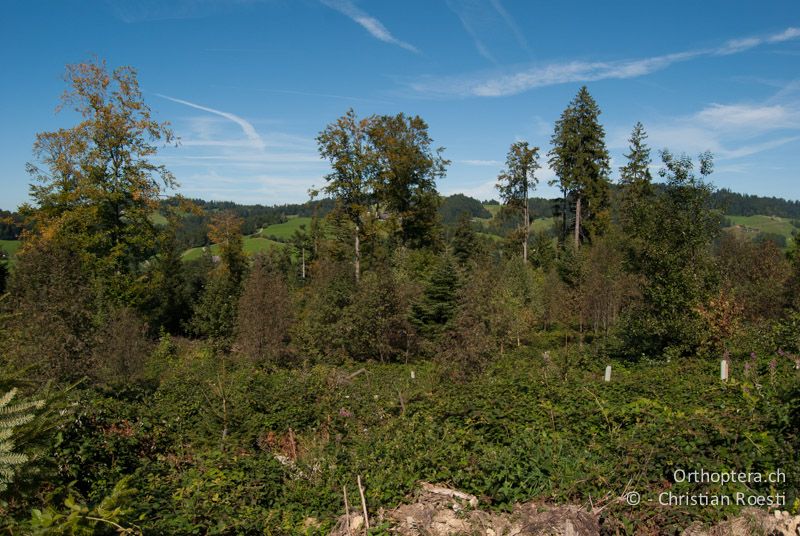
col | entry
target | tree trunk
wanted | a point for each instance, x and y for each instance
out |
(527, 224)
(578, 223)
(564, 217)
(304, 262)
(358, 256)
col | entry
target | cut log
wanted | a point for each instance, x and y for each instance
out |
(472, 500)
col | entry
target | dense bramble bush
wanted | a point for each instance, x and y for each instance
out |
(528, 427)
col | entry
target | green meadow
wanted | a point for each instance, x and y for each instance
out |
(284, 231)
(252, 245)
(752, 225)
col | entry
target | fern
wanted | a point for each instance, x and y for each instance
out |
(12, 416)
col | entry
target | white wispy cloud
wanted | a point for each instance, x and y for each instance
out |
(486, 163)
(369, 23)
(248, 129)
(755, 148)
(512, 25)
(134, 11)
(730, 131)
(224, 156)
(786, 35)
(463, 9)
(489, 25)
(749, 118)
(512, 83)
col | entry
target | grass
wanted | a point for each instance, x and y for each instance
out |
(493, 209)
(158, 219)
(252, 245)
(10, 246)
(541, 224)
(752, 225)
(287, 229)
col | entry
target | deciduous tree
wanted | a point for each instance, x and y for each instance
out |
(516, 182)
(406, 181)
(96, 181)
(345, 143)
(674, 260)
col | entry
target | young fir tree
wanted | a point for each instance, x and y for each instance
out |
(515, 183)
(215, 313)
(465, 242)
(581, 162)
(636, 181)
(433, 312)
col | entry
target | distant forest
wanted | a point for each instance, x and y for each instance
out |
(194, 230)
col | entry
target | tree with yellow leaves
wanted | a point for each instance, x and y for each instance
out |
(95, 185)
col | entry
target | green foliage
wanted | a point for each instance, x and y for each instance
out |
(212, 493)
(465, 242)
(408, 170)
(169, 295)
(77, 518)
(214, 314)
(264, 315)
(671, 251)
(375, 325)
(383, 178)
(580, 160)
(95, 184)
(526, 428)
(515, 184)
(434, 310)
(636, 182)
(54, 302)
(330, 291)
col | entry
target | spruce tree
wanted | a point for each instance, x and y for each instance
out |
(464, 239)
(636, 181)
(435, 310)
(580, 159)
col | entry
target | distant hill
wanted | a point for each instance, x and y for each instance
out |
(455, 205)
(759, 227)
(754, 216)
(734, 204)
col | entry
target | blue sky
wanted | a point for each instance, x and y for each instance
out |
(248, 84)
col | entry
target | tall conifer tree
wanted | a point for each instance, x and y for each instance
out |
(636, 181)
(580, 159)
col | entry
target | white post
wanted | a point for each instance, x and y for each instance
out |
(608, 373)
(723, 370)
(413, 375)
